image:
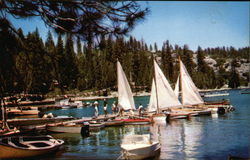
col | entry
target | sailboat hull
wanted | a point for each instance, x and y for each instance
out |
(159, 118)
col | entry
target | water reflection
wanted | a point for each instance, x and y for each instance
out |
(179, 139)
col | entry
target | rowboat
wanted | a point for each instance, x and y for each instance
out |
(139, 147)
(9, 132)
(28, 146)
(135, 121)
(20, 112)
(113, 123)
(65, 128)
(96, 126)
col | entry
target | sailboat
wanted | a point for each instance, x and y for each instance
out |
(176, 89)
(162, 96)
(189, 92)
(125, 98)
(190, 96)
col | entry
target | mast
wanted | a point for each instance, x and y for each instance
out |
(157, 103)
(180, 81)
(5, 125)
(117, 79)
(2, 108)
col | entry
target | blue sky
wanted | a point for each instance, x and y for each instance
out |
(203, 23)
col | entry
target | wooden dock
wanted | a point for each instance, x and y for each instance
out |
(36, 121)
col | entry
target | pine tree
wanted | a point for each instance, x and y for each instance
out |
(234, 80)
(9, 47)
(167, 61)
(187, 59)
(50, 51)
(202, 66)
(34, 64)
(60, 64)
(150, 48)
(79, 47)
(155, 46)
(71, 70)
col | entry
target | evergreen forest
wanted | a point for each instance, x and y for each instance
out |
(29, 65)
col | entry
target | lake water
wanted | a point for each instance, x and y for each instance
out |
(206, 137)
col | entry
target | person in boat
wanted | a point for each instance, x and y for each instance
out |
(121, 111)
(131, 112)
(105, 107)
(140, 109)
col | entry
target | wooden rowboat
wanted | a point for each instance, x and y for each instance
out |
(28, 146)
(135, 121)
(113, 123)
(74, 128)
(18, 112)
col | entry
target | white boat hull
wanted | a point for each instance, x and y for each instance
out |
(147, 151)
(65, 129)
(159, 119)
(216, 95)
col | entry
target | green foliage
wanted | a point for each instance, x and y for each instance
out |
(70, 64)
(36, 67)
(167, 61)
(202, 66)
(33, 64)
(9, 47)
(234, 80)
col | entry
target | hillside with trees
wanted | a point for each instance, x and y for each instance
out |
(34, 66)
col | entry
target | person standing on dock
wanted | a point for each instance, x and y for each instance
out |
(105, 107)
(140, 110)
(114, 108)
(96, 109)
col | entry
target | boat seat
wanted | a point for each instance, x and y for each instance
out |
(16, 142)
(36, 138)
(4, 140)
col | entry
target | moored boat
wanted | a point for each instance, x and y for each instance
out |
(65, 128)
(135, 121)
(20, 112)
(28, 146)
(162, 96)
(216, 94)
(96, 126)
(9, 132)
(139, 147)
(113, 123)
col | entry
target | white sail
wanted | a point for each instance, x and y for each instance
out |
(165, 94)
(152, 107)
(176, 89)
(125, 96)
(190, 93)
